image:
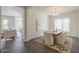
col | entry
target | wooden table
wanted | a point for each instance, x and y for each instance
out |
(55, 33)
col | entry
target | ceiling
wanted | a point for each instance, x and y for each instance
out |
(46, 9)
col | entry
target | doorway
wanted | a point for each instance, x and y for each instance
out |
(12, 28)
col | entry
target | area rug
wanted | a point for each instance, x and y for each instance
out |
(56, 47)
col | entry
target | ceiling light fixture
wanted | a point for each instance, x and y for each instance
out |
(55, 10)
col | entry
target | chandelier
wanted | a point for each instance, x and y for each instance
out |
(55, 10)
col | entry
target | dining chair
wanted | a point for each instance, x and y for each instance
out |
(49, 39)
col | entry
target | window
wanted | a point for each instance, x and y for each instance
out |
(5, 24)
(66, 24)
(62, 24)
(19, 22)
(58, 24)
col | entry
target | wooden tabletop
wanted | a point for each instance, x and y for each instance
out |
(54, 32)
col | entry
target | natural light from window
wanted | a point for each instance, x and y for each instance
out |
(5, 24)
(62, 24)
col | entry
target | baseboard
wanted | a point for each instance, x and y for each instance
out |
(25, 40)
(32, 39)
(74, 37)
(35, 38)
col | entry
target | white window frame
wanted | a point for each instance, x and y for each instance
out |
(63, 20)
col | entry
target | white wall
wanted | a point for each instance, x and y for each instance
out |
(51, 23)
(73, 16)
(31, 16)
(78, 24)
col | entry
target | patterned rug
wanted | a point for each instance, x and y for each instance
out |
(56, 47)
